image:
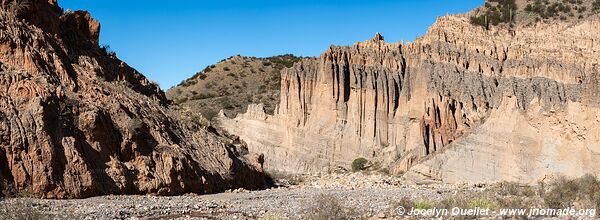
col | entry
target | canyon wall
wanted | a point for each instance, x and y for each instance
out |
(75, 121)
(460, 104)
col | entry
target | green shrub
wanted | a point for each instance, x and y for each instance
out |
(483, 203)
(203, 96)
(563, 192)
(384, 171)
(359, 164)
(423, 204)
(503, 12)
(186, 83)
(480, 21)
(202, 76)
(210, 85)
(228, 103)
(562, 10)
(284, 61)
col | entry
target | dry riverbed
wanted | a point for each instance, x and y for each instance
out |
(354, 195)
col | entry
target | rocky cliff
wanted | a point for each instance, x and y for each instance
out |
(461, 104)
(75, 121)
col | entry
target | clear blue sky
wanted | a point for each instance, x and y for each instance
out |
(169, 41)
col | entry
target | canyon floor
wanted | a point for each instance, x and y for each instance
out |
(365, 195)
(336, 196)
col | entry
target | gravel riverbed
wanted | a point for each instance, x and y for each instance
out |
(372, 196)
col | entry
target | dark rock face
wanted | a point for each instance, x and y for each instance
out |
(75, 121)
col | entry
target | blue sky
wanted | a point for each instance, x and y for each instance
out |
(169, 41)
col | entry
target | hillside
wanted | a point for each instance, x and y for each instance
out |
(528, 12)
(75, 121)
(232, 85)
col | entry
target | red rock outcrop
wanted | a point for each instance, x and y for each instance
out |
(424, 102)
(75, 121)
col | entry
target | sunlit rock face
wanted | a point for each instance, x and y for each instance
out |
(460, 104)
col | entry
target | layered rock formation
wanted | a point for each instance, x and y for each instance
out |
(75, 121)
(461, 104)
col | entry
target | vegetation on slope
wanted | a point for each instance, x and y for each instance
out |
(498, 12)
(561, 9)
(233, 84)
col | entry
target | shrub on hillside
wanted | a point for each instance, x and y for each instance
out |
(562, 10)
(202, 76)
(286, 60)
(501, 11)
(203, 96)
(359, 164)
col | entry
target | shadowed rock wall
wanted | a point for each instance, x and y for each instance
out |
(75, 121)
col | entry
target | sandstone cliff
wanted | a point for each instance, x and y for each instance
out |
(461, 104)
(75, 121)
